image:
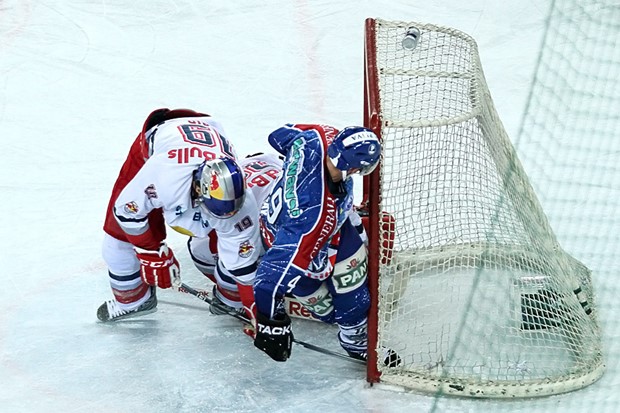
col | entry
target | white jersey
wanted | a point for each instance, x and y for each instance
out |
(239, 243)
(179, 146)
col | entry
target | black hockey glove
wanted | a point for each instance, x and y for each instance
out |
(274, 337)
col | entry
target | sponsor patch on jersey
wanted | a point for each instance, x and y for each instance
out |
(245, 249)
(319, 303)
(354, 263)
(293, 171)
(350, 274)
(131, 207)
(352, 278)
(187, 155)
(150, 191)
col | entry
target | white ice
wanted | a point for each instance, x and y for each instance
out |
(78, 77)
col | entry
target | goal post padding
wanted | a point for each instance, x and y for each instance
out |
(479, 299)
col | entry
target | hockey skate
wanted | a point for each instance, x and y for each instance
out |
(110, 311)
(357, 350)
(218, 307)
(390, 357)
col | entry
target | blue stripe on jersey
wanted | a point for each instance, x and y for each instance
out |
(239, 272)
(124, 278)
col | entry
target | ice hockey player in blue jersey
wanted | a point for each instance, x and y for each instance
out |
(315, 248)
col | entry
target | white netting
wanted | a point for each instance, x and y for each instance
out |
(479, 298)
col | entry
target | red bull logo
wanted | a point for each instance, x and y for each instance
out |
(214, 183)
(215, 189)
(131, 207)
(187, 155)
(245, 249)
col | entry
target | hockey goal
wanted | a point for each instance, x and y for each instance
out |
(476, 294)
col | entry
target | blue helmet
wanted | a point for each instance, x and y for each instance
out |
(222, 187)
(355, 147)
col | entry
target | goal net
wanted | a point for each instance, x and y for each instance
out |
(474, 292)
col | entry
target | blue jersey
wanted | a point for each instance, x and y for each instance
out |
(301, 215)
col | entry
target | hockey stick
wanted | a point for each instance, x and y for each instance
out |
(204, 296)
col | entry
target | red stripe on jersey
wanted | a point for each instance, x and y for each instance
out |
(311, 242)
(327, 132)
(229, 294)
(213, 242)
(267, 235)
(130, 296)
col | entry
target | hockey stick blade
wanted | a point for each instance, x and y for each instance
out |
(204, 296)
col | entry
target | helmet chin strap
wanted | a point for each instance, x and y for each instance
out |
(350, 172)
(334, 160)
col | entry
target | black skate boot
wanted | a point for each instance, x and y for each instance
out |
(110, 311)
(218, 307)
(390, 357)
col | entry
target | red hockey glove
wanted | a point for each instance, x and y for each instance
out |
(160, 267)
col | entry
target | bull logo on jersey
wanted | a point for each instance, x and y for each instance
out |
(131, 207)
(215, 189)
(245, 249)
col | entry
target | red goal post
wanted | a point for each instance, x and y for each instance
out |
(372, 121)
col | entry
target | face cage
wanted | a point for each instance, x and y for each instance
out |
(238, 205)
(366, 170)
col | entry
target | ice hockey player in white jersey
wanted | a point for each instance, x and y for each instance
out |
(232, 260)
(164, 181)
